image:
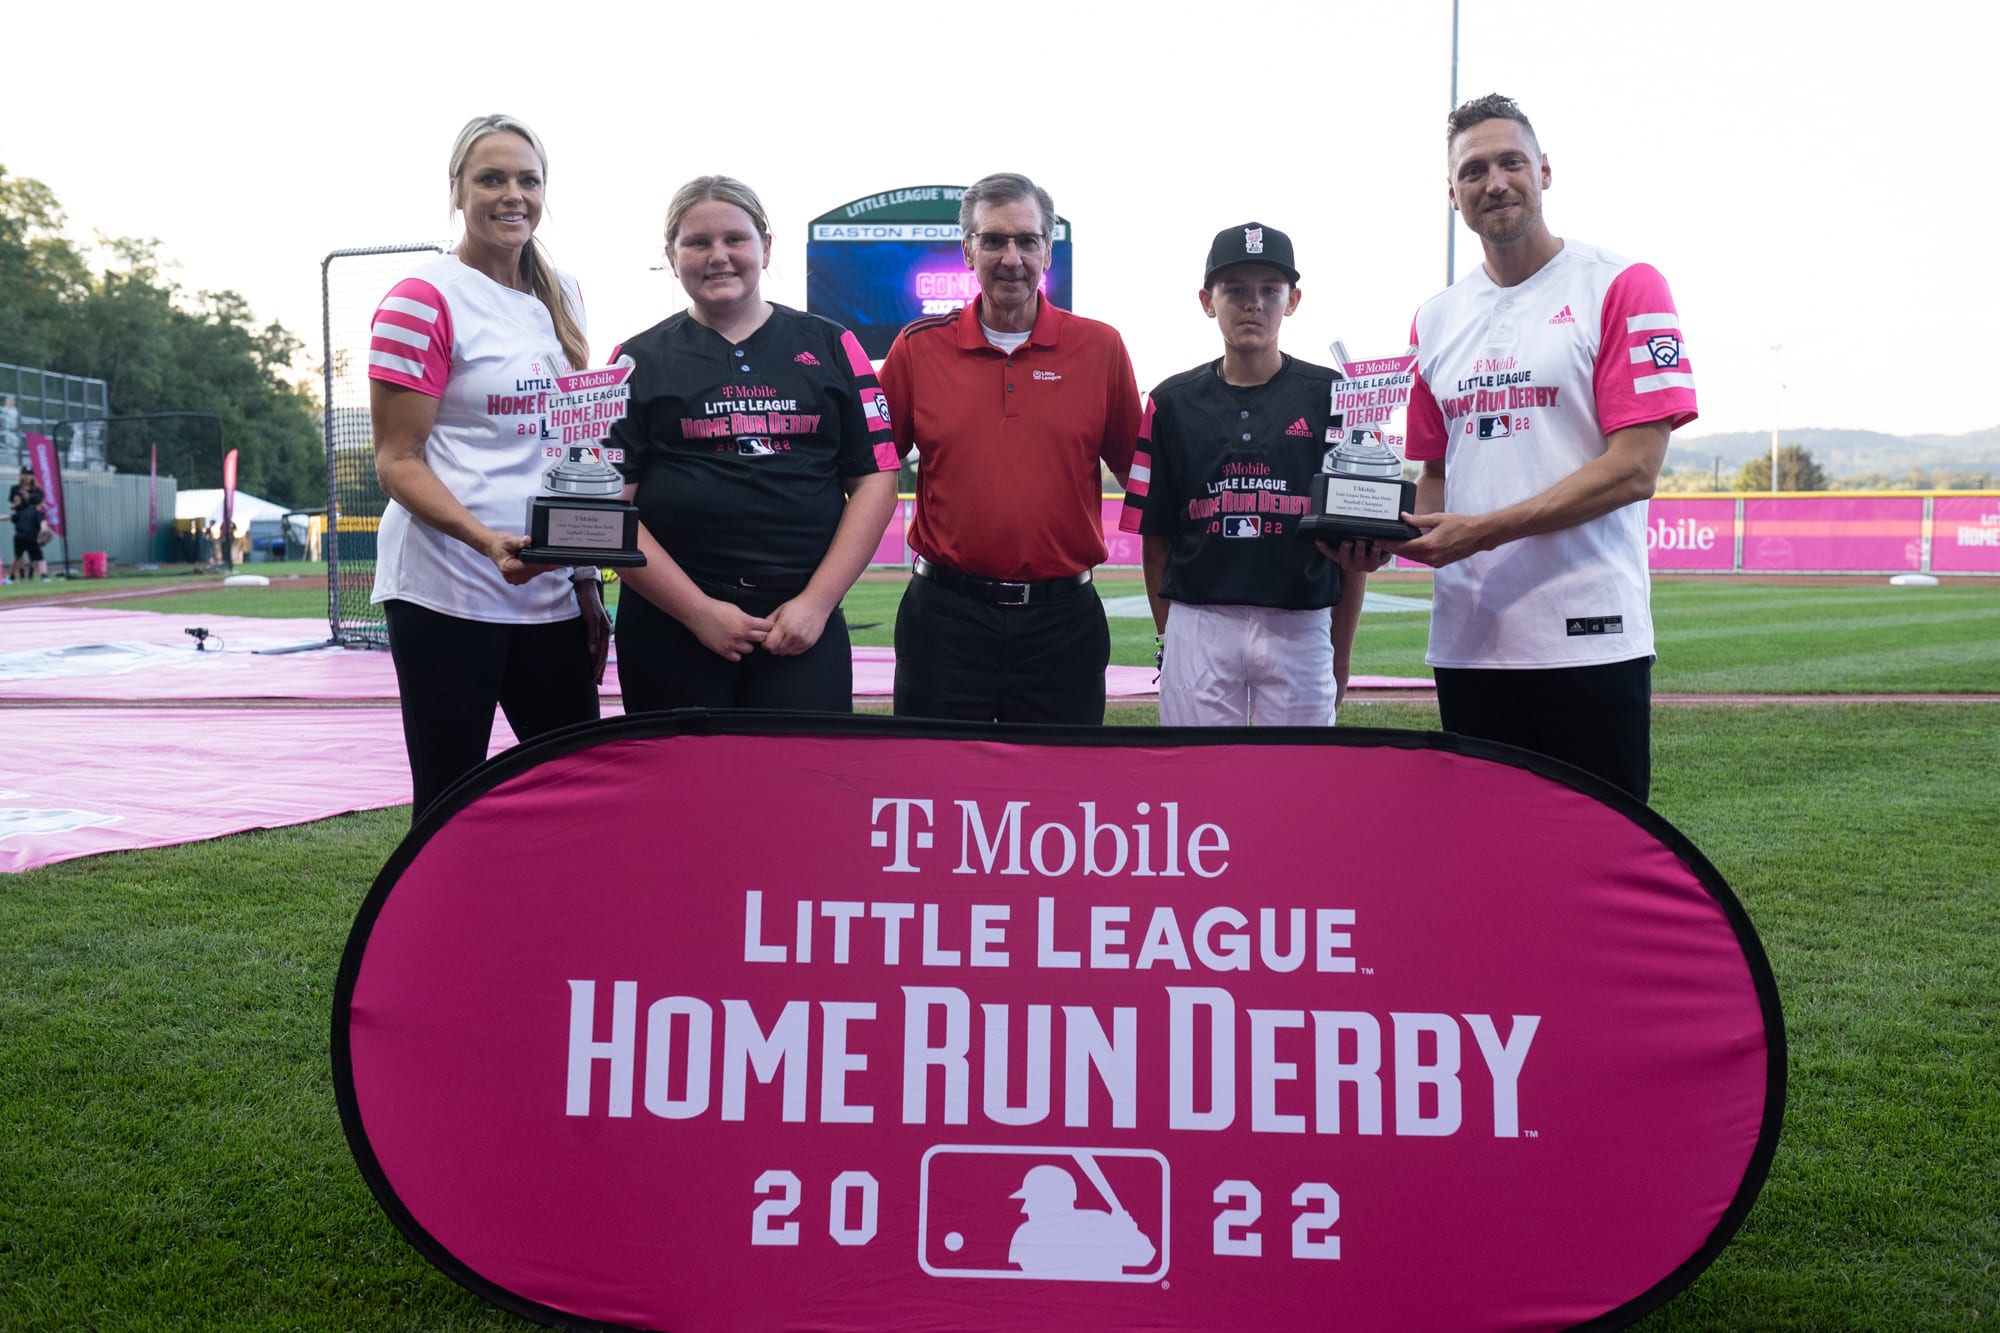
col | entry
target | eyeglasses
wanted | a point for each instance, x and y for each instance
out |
(1029, 243)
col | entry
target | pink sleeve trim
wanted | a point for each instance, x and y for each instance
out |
(1424, 433)
(410, 338)
(1139, 484)
(857, 360)
(1644, 372)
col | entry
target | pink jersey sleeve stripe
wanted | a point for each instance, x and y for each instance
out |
(885, 456)
(857, 360)
(1653, 380)
(1139, 481)
(410, 339)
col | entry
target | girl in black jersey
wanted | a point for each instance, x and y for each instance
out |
(758, 450)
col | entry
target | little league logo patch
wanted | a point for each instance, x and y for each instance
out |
(1253, 240)
(1665, 349)
(876, 406)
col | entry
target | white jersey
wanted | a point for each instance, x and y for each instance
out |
(489, 355)
(1517, 387)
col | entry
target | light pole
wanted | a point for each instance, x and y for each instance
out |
(1777, 399)
(1451, 214)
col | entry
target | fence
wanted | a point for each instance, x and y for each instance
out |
(36, 400)
(109, 512)
(1858, 532)
(352, 284)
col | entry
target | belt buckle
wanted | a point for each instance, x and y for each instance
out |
(1011, 594)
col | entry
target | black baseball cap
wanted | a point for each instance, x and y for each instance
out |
(1251, 243)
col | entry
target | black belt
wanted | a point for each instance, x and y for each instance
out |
(1000, 592)
(751, 586)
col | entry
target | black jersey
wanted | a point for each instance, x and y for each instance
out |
(740, 451)
(1229, 476)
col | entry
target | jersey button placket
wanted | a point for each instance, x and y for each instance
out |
(1010, 400)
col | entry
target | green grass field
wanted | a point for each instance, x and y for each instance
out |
(1718, 636)
(170, 1157)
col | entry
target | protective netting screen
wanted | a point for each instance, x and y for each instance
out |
(352, 285)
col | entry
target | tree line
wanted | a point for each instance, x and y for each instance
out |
(160, 349)
(1798, 470)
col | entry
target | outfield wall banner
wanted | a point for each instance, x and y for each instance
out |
(1833, 533)
(1965, 534)
(699, 1021)
(1691, 535)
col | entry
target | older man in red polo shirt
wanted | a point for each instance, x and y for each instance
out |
(1012, 403)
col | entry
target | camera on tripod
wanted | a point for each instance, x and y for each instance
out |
(200, 636)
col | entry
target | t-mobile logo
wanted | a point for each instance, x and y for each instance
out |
(902, 805)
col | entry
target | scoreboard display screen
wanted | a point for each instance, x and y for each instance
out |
(878, 263)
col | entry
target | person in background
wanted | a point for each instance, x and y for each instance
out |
(462, 355)
(1013, 405)
(28, 536)
(1548, 383)
(760, 458)
(24, 493)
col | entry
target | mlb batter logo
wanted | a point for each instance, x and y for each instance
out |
(1054, 1213)
(1495, 428)
(1240, 525)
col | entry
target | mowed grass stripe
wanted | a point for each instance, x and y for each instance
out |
(1911, 668)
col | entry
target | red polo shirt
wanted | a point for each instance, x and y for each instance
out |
(1008, 486)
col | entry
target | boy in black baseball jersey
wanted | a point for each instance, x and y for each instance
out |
(1257, 625)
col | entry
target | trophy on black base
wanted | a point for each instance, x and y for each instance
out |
(1359, 493)
(581, 517)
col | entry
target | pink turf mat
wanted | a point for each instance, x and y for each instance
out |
(78, 781)
(67, 652)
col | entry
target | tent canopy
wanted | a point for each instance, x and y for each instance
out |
(206, 505)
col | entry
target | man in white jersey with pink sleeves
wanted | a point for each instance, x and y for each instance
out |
(1548, 383)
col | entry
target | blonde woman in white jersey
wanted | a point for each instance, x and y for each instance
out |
(462, 356)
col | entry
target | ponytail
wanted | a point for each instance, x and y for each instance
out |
(540, 274)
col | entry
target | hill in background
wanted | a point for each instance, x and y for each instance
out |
(1845, 453)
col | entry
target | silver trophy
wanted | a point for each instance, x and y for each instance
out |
(1359, 493)
(581, 517)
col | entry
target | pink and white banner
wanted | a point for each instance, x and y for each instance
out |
(48, 476)
(706, 1021)
(1965, 534)
(1833, 533)
(1691, 534)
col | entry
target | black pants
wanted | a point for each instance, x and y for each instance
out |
(1599, 718)
(963, 658)
(661, 664)
(452, 672)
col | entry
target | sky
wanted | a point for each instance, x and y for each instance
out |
(1796, 168)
